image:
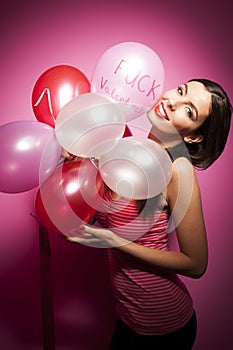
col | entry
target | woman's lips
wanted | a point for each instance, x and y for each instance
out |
(160, 111)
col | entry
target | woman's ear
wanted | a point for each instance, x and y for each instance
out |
(193, 138)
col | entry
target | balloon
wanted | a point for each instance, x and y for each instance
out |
(69, 196)
(136, 168)
(131, 74)
(127, 132)
(23, 143)
(86, 124)
(54, 88)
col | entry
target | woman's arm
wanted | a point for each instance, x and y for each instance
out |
(192, 258)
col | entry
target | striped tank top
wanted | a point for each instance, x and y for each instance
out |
(149, 301)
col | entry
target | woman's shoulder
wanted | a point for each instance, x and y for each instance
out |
(182, 167)
(183, 177)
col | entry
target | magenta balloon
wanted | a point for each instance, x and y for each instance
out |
(23, 143)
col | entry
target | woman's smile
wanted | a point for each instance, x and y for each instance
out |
(160, 110)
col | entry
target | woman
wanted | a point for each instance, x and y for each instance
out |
(155, 310)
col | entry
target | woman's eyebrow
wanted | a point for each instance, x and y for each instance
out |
(191, 103)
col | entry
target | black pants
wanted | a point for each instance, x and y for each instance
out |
(126, 339)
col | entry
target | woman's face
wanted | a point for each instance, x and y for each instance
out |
(184, 108)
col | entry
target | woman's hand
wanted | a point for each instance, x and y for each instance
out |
(67, 155)
(97, 237)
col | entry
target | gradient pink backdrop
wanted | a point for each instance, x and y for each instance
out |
(193, 39)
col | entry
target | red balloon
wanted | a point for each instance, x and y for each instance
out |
(69, 197)
(54, 88)
(127, 132)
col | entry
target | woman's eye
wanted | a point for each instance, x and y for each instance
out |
(180, 90)
(189, 112)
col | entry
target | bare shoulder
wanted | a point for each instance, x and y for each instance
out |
(183, 174)
(183, 187)
(182, 167)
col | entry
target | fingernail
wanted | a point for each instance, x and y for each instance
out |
(82, 227)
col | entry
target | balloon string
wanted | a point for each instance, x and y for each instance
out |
(94, 161)
(34, 216)
(47, 309)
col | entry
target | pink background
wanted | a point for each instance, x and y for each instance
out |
(193, 39)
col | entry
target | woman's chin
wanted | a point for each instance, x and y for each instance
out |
(158, 122)
(162, 130)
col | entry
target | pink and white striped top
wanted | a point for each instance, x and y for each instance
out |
(149, 301)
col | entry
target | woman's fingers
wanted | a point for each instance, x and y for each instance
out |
(89, 230)
(97, 237)
(91, 241)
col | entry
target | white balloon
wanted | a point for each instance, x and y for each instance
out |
(86, 124)
(136, 168)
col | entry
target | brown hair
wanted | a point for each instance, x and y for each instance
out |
(215, 128)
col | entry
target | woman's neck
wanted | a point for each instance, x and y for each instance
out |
(166, 140)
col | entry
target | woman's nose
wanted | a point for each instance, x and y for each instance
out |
(172, 104)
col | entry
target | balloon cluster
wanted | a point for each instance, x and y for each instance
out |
(88, 120)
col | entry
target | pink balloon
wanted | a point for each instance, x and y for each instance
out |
(131, 74)
(23, 144)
